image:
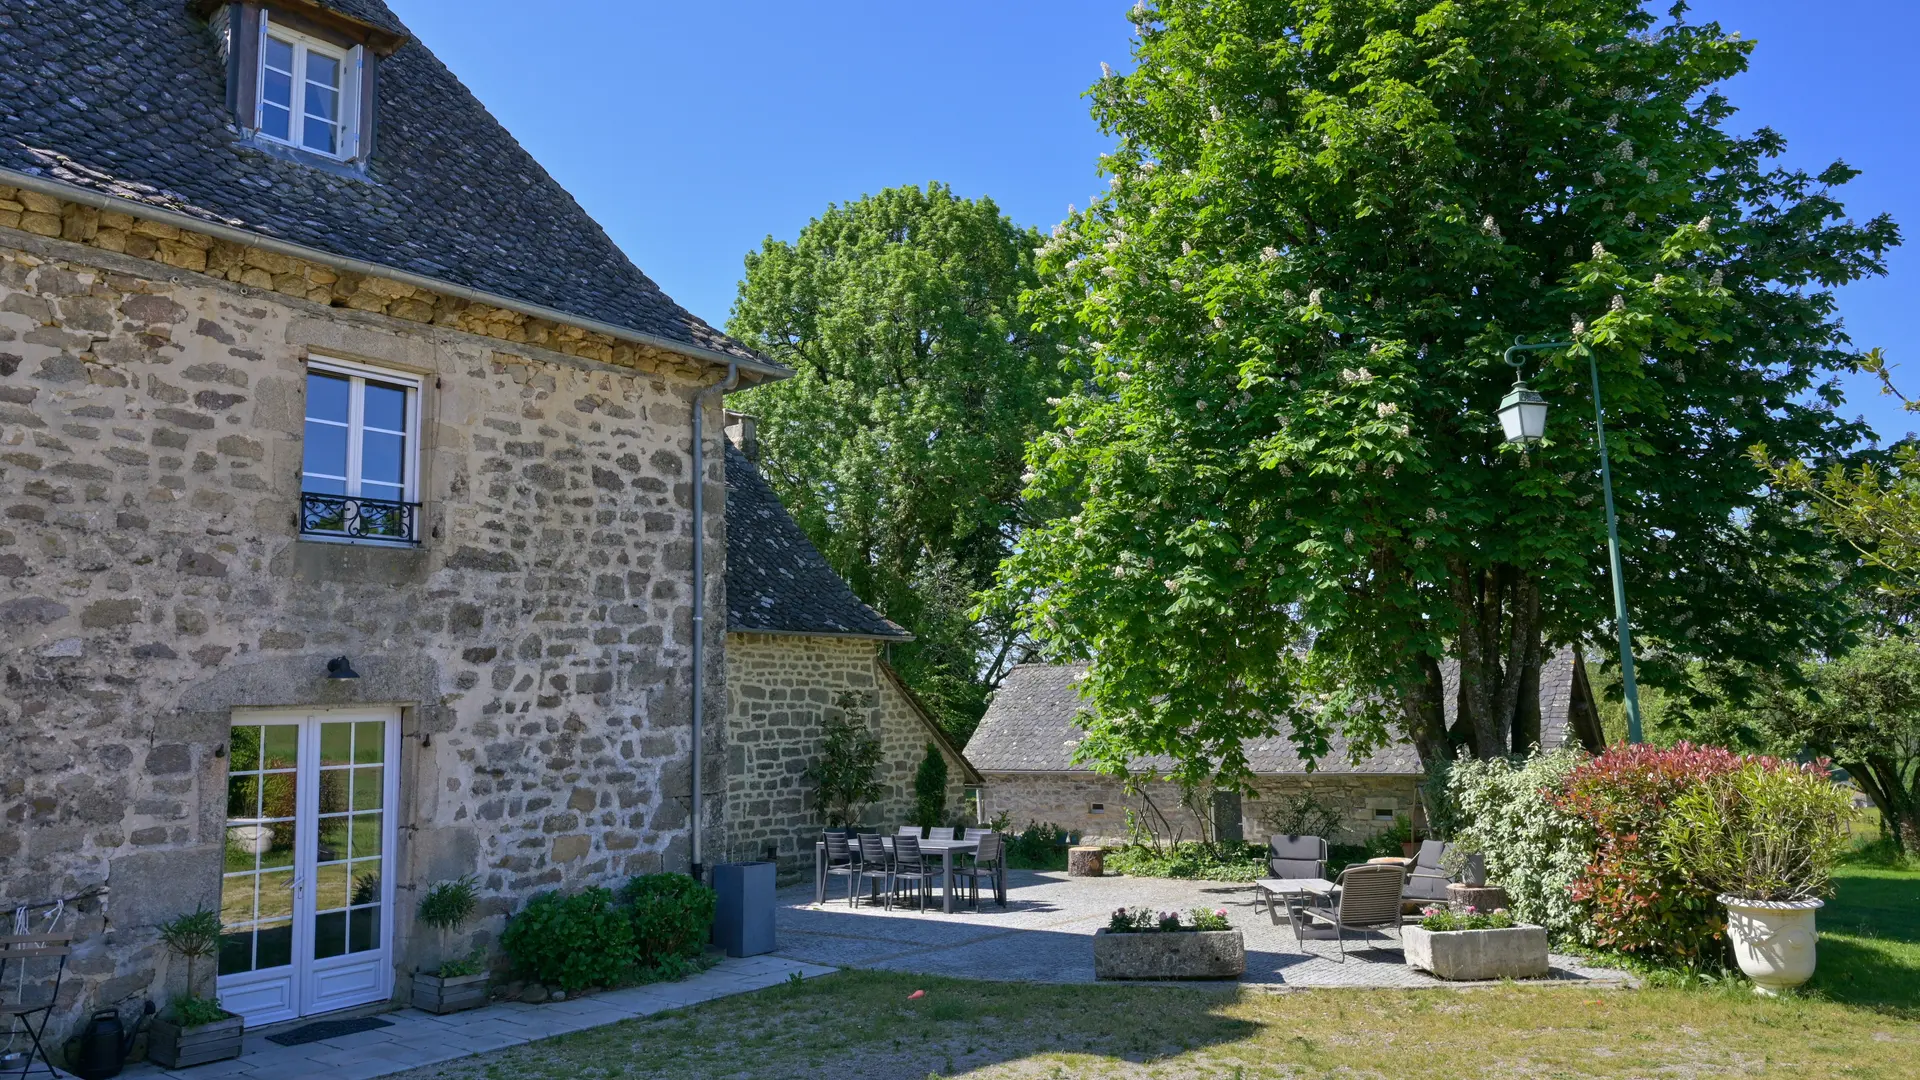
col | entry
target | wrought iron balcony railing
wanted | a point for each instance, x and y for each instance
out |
(357, 518)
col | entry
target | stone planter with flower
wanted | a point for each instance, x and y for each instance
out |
(1140, 943)
(1472, 946)
(1764, 837)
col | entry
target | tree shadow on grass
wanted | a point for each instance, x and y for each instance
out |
(1867, 974)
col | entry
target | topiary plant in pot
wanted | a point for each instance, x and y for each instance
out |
(193, 1030)
(1764, 837)
(458, 983)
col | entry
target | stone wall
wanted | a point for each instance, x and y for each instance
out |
(151, 581)
(781, 691)
(1069, 801)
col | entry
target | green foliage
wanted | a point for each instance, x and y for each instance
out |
(1301, 815)
(1444, 919)
(1209, 919)
(1038, 847)
(192, 1012)
(930, 789)
(1145, 920)
(447, 904)
(194, 936)
(572, 941)
(1392, 842)
(1191, 860)
(845, 775)
(672, 914)
(1766, 831)
(1534, 849)
(898, 442)
(473, 963)
(1325, 222)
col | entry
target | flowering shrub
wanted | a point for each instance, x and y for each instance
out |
(1639, 900)
(1210, 920)
(1534, 849)
(1442, 919)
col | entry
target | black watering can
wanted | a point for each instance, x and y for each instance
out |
(102, 1046)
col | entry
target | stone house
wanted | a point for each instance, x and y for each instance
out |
(1024, 749)
(349, 477)
(802, 648)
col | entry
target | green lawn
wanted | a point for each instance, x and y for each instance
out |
(1858, 1022)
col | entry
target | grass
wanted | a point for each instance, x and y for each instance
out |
(1855, 1022)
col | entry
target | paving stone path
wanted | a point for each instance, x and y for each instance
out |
(1043, 935)
(417, 1038)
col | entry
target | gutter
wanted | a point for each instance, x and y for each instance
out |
(59, 189)
(700, 401)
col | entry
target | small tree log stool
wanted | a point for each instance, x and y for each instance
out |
(1086, 861)
(1479, 897)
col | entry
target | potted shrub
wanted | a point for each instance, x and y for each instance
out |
(1764, 837)
(193, 1030)
(1475, 945)
(459, 983)
(1139, 943)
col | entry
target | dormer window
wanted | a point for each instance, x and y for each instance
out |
(305, 94)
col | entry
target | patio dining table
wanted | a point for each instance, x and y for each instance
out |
(945, 848)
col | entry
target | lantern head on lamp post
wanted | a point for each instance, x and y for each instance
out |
(1523, 414)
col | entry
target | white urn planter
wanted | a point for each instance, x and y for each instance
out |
(1773, 940)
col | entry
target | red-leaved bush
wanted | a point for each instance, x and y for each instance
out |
(1639, 902)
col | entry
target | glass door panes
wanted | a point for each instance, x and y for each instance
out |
(352, 820)
(257, 885)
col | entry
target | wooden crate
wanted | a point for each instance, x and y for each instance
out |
(437, 995)
(174, 1047)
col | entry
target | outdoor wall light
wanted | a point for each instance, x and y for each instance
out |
(339, 668)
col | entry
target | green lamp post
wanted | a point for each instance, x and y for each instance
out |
(1523, 418)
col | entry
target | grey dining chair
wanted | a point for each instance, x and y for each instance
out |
(989, 862)
(876, 864)
(840, 862)
(1369, 900)
(910, 867)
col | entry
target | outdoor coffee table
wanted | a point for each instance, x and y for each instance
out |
(1290, 889)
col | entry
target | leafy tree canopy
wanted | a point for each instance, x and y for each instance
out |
(898, 443)
(1326, 219)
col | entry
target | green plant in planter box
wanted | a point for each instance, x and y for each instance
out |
(193, 936)
(445, 906)
(1765, 831)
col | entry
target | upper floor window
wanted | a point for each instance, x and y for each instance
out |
(306, 94)
(360, 462)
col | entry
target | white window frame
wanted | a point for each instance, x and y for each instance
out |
(358, 374)
(347, 146)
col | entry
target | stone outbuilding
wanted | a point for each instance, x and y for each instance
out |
(1025, 743)
(801, 649)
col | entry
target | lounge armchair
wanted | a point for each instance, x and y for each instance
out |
(1369, 899)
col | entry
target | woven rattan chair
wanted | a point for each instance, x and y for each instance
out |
(17, 953)
(1369, 900)
(910, 867)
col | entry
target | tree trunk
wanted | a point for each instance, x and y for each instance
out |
(1497, 637)
(1884, 781)
(1424, 710)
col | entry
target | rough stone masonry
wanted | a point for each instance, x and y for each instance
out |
(152, 580)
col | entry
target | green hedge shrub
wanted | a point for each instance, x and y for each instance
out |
(655, 928)
(1534, 849)
(1192, 861)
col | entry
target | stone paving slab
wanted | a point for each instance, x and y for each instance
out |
(418, 1038)
(1044, 935)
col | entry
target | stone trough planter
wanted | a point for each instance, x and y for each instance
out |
(174, 1047)
(1178, 954)
(1516, 952)
(434, 994)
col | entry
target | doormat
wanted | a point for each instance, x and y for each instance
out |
(327, 1029)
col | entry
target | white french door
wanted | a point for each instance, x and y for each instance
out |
(306, 898)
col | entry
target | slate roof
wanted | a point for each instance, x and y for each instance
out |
(1029, 726)
(777, 581)
(128, 97)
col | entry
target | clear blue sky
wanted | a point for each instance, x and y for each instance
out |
(693, 131)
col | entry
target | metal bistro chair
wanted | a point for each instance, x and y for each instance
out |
(840, 861)
(16, 953)
(876, 862)
(1369, 900)
(989, 861)
(909, 866)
